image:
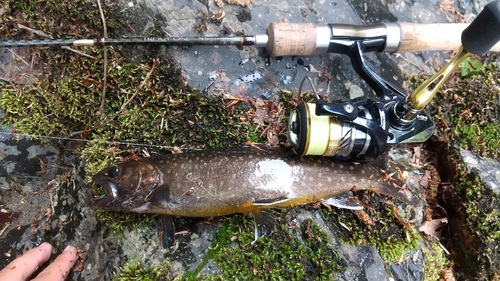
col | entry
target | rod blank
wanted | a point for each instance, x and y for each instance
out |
(170, 41)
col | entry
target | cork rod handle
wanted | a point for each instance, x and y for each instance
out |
(291, 39)
(437, 37)
(301, 39)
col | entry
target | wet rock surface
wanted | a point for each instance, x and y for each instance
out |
(487, 169)
(45, 196)
(242, 71)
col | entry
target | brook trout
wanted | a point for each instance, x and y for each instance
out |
(243, 180)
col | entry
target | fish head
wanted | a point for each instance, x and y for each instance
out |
(127, 186)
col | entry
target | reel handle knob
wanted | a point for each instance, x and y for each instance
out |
(484, 32)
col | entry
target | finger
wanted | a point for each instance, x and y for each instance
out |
(23, 267)
(60, 267)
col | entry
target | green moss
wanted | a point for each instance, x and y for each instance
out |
(59, 19)
(222, 239)
(119, 221)
(160, 114)
(288, 103)
(467, 113)
(483, 221)
(392, 238)
(137, 271)
(473, 225)
(435, 262)
(327, 261)
(479, 138)
(281, 256)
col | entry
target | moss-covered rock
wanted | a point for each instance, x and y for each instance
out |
(473, 228)
(304, 253)
(466, 112)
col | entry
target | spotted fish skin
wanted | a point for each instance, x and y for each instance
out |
(217, 183)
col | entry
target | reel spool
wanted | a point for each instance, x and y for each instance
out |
(324, 135)
(339, 130)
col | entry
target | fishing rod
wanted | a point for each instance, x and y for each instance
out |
(361, 128)
(297, 39)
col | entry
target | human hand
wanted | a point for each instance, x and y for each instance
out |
(24, 266)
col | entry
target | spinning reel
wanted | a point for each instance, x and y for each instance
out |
(362, 128)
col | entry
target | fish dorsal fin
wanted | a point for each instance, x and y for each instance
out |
(343, 202)
(167, 229)
(159, 195)
(264, 223)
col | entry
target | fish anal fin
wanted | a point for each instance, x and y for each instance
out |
(343, 201)
(264, 223)
(167, 231)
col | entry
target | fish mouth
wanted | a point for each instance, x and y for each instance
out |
(110, 192)
(98, 202)
(108, 199)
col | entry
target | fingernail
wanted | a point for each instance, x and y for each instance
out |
(44, 244)
(69, 247)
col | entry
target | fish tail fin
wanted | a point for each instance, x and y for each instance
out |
(264, 223)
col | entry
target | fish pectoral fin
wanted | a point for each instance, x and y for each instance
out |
(343, 202)
(264, 222)
(167, 231)
(158, 196)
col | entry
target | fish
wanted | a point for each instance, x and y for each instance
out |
(247, 179)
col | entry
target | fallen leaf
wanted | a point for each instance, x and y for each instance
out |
(431, 227)
(244, 3)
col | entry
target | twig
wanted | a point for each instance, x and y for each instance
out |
(52, 202)
(156, 63)
(18, 57)
(105, 75)
(4, 228)
(34, 31)
(78, 52)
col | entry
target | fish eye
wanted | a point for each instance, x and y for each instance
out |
(113, 172)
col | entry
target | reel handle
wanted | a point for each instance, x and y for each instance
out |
(484, 32)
